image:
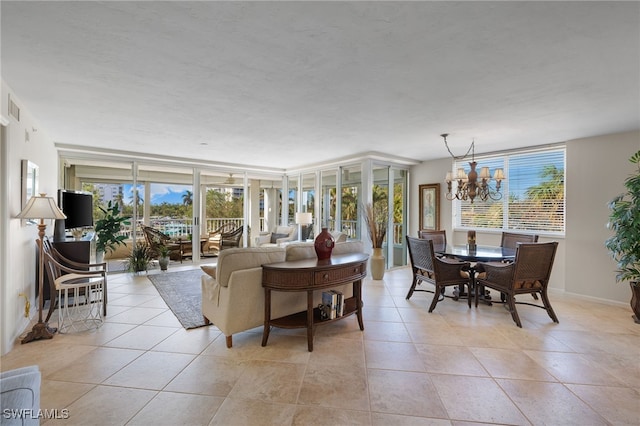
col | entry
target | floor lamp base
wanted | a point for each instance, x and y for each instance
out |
(40, 331)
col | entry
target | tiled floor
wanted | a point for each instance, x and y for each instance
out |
(456, 366)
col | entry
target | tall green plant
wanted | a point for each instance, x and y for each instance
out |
(624, 220)
(108, 228)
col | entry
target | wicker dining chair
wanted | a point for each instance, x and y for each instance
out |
(528, 274)
(439, 238)
(441, 272)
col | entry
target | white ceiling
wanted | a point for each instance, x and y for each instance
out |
(287, 84)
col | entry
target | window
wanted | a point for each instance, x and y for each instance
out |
(533, 194)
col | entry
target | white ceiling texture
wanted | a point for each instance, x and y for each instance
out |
(288, 84)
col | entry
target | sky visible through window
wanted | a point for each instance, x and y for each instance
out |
(160, 193)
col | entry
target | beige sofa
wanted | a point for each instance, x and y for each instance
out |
(282, 234)
(232, 293)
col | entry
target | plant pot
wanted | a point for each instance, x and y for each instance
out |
(164, 263)
(635, 300)
(377, 264)
(99, 256)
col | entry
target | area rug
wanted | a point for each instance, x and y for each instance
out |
(181, 291)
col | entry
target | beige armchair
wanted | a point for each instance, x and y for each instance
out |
(232, 293)
(281, 234)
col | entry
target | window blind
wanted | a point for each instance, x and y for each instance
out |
(533, 194)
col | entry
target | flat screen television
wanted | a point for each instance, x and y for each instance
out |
(77, 206)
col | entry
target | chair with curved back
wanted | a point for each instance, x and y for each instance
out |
(528, 274)
(511, 239)
(155, 239)
(439, 238)
(231, 239)
(81, 290)
(214, 244)
(441, 272)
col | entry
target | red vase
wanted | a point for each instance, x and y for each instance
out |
(324, 244)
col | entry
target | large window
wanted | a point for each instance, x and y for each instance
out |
(533, 194)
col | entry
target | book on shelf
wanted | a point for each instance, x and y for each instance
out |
(339, 302)
(329, 302)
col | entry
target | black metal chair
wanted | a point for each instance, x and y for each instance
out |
(528, 274)
(441, 272)
(231, 239)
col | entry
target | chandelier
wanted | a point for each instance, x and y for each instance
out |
(472, 185)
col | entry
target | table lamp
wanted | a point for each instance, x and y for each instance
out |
(303, 219)
(40, 207)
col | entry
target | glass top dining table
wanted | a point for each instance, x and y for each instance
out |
(478, 253)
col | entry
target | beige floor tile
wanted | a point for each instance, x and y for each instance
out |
(593, 354)
(329, 386)
(393, 356)
(386, 331)
(573, 368)
(236, 411)
(476, 399)
(435, 334)
(619, 406)
(136, 315)
(382, 419)
(550, 403)
(450, 360)
(269, 381)
(96, 366)
(56, 395)
(511, 364)
(153, 370)
(404, 392)
(381, 313)
(208, 375)
(165, 319)
(142, 337)
(191, 341)
(337, 353)
(106, 405)
(170, 409)
(310, 415)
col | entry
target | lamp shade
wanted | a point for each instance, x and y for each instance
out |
(304, 218)
(41, 207)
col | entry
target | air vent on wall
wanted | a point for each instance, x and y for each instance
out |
(14, 110)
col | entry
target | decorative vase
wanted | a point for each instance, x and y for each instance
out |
(377, 264)
(635, 300)
(324, 243)
(164, 263)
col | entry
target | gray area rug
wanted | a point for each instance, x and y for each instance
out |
(181, 291)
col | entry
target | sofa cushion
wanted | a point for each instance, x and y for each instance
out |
(275, 237)
(234, 259)
(305, 250)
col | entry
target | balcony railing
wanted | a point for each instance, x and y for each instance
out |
(183, 227)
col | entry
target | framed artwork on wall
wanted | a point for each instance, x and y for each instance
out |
(29, 185)
(429, 197)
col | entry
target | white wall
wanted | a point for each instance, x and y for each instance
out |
(17, 264)
(596, 169)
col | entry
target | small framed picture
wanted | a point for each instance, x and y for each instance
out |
(429, 197)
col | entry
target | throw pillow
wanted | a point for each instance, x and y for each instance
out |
(275, 237)
(209, 270)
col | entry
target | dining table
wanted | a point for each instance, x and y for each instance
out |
(473, 254)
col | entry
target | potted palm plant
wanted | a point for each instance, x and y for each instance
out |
(139, 258)
(624, 245)
(376, 217)
(108, 229)
(163, 257)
